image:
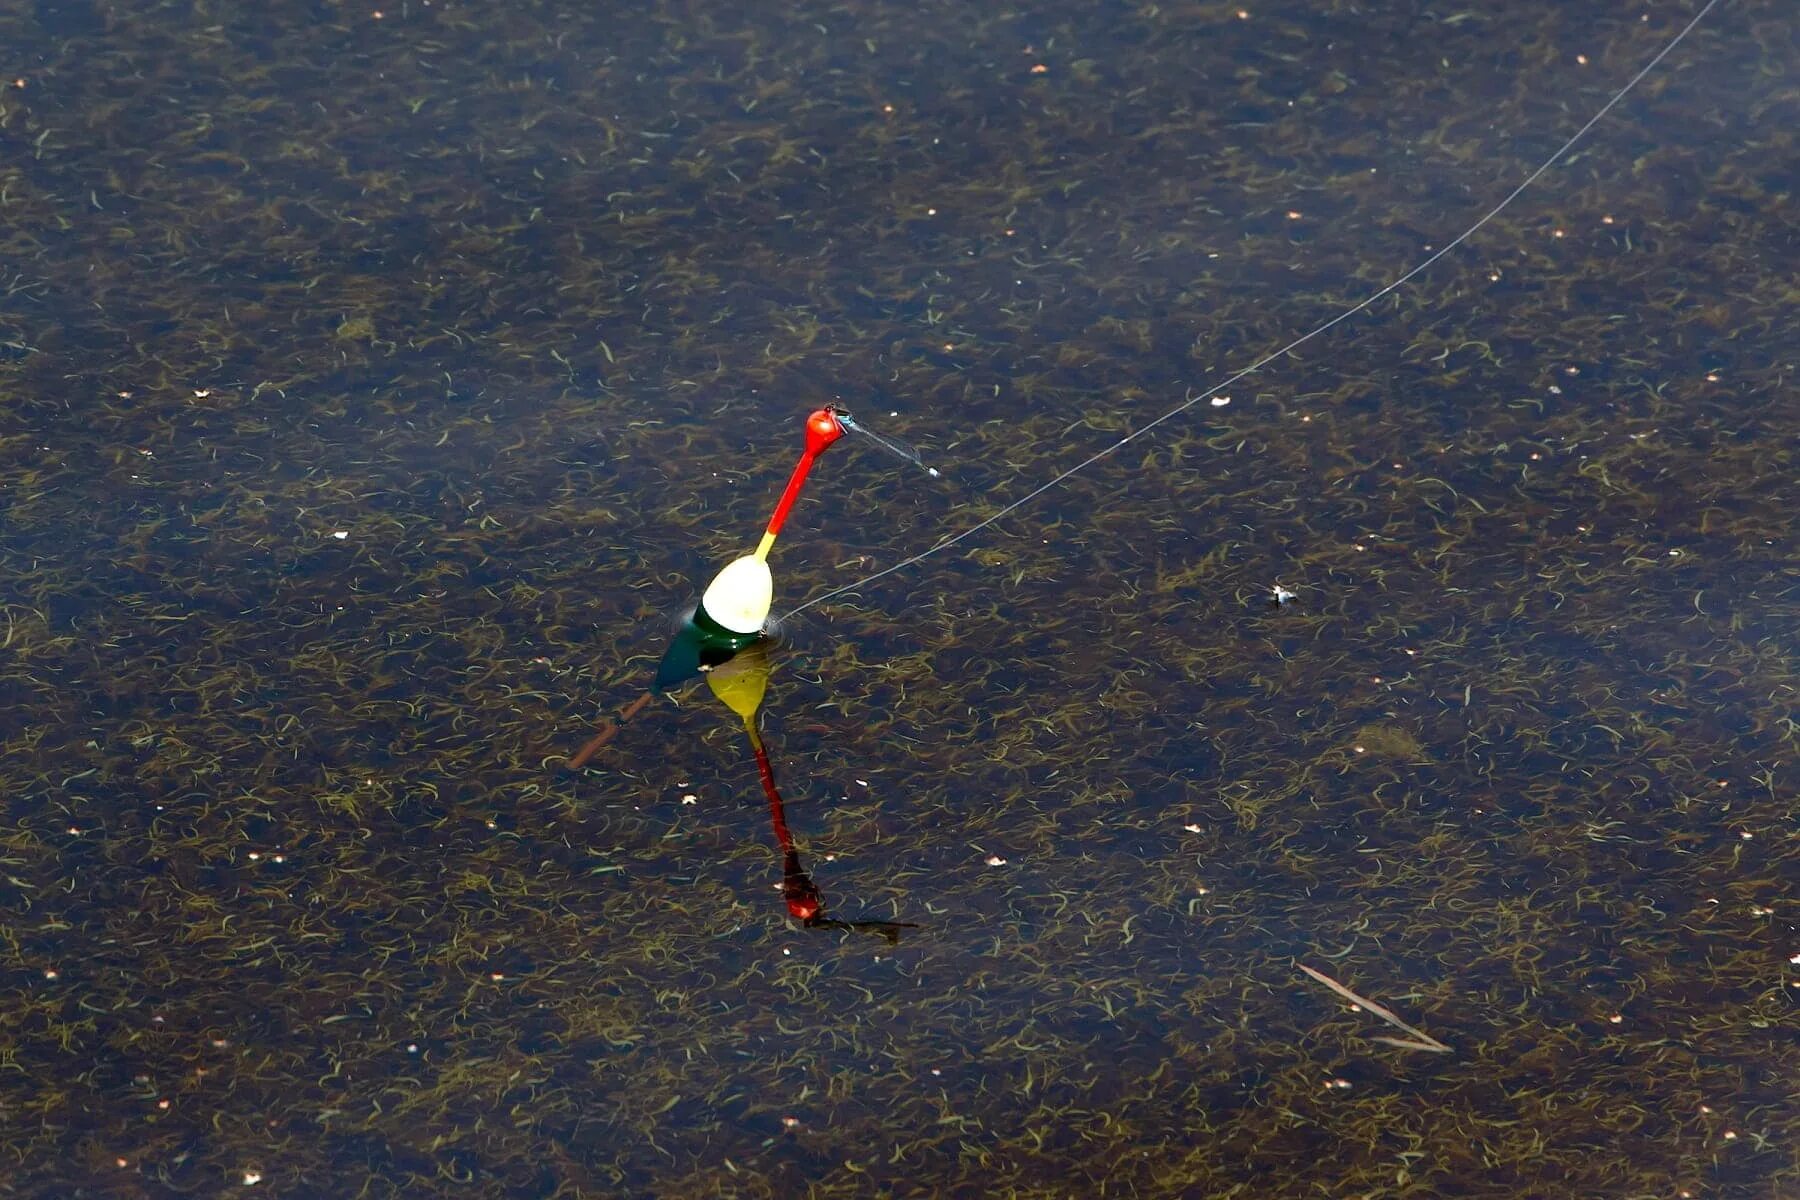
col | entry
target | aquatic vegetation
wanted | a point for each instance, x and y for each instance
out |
(371, 388)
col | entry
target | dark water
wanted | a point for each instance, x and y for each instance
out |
(372, 385)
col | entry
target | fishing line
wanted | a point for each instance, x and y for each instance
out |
(1259, 364)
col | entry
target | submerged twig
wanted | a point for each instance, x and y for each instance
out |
(1424, 1040)
(1408, 1044)
(606, 732)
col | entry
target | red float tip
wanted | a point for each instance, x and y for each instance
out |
(822, 429)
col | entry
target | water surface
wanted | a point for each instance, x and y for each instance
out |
(374, 384)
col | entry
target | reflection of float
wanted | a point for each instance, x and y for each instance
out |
(741, 683)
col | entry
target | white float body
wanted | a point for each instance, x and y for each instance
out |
(739, 596)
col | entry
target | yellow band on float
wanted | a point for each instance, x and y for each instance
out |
(762, 550)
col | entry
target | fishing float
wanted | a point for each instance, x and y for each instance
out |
(735, 605)
(733, 612)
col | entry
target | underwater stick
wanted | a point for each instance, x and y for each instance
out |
(1425, 1040)
(608, 730)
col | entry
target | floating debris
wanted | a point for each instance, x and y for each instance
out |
(1419, 1041)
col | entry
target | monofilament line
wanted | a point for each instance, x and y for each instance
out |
(1259, 364)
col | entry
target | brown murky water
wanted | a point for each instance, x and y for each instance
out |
(374, 386)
